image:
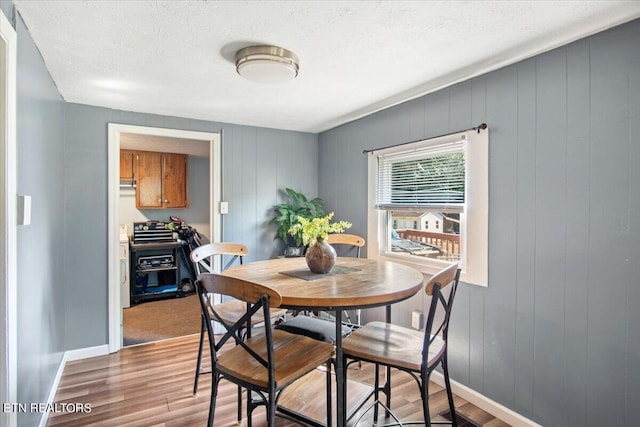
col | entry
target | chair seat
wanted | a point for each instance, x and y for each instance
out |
(313, 327)
(231, 311)
(295, 355)
(391, 345)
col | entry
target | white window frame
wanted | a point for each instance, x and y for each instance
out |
(474, 236)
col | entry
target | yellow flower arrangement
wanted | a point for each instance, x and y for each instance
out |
(317, 228)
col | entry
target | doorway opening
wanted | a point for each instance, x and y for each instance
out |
(202, 147)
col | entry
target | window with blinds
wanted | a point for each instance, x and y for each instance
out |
(428, 203)
(432, 178)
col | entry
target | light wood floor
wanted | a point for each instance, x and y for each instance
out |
(151, 385)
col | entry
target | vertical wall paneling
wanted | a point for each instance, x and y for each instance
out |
(347, 204)
(499, 332)
(525, 236)
(436, 113)
(328, 174)
(574, 365)
(257, 164)
(551, 218)
(228, 220)
(460, 118)
(609, 220)
(248, 181)
(477, 296)
(632, 337)
(460, 107)
(458, 335)
(306, 169)
(554, 336)
(85, 184)
(266, 185)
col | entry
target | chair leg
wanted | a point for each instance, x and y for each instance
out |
(376, 393)
(212, 404)
(387, 391)
(249, 408)
(199, 362)
(447, 383)
(271, 409)
(424, 390)
(329, 409)
(239, 404)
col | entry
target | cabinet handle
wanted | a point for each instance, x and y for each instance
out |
(166, 201)
(159, 200)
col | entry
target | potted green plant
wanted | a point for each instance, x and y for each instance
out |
(297, 205)
(320, 256)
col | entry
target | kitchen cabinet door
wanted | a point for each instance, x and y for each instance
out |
(149, 185)
(174, 181)
(127, 170)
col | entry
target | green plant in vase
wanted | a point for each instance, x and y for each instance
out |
(320, 256)
(287, 214)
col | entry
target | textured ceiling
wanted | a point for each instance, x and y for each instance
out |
(356, 57)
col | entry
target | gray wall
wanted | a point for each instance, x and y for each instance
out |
(554, 336)
(7, 8)
(256, 163)
(41, 164)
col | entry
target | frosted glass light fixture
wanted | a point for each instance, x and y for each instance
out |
(267, 64)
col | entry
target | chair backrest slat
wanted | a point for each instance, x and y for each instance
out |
(238, 289)
(202, 256)
(444, 277)
(346, 239)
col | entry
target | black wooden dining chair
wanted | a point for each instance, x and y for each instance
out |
(264, 364)
(417, 353)
(228, 311)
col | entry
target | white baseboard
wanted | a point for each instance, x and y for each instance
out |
(494, 408)
(85, 353)
(68, 356)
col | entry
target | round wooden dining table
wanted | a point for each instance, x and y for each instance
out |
(353, 283)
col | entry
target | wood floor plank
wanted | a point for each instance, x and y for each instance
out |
(152, 385)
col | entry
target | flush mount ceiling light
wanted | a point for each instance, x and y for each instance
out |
(267, 64)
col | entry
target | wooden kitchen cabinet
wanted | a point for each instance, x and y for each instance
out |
(127, 170)
(162, 180)
(174, 181)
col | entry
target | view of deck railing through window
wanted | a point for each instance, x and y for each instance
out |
(426, 234)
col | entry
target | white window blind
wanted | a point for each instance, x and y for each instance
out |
(431, 177)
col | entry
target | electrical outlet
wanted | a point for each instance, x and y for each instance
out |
(224, 208)
(417, 319)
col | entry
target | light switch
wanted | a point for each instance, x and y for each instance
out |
(224, 207)
(24, 210)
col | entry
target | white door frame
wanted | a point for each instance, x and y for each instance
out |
(8, 230)
(215, 175)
